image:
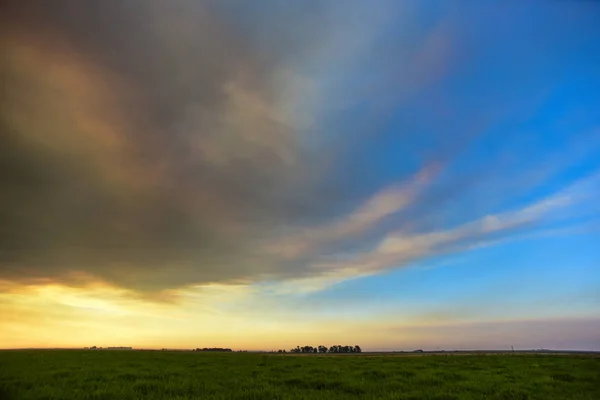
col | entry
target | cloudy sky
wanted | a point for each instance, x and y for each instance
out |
(262, 175)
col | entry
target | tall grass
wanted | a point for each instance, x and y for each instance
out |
(103, 375)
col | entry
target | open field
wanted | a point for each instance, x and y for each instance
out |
(75, 374)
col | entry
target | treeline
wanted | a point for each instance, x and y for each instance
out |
(214, 349)
(323, 349)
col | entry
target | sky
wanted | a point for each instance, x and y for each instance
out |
(261, 175)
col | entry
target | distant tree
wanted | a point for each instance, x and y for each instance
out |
(308, 349)
(214, 349)
(336, 348)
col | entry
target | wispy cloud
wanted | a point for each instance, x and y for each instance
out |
(397, 249)
(386, 202)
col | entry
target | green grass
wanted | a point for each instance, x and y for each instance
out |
(100, 375)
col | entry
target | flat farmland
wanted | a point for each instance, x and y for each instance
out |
(103, 375)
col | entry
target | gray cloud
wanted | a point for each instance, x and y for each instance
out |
(142, 142)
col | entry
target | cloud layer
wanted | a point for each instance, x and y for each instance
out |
(156, 146)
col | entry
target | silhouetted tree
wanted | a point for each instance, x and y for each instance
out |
(307, 349)
(215, 349)
(336, 348)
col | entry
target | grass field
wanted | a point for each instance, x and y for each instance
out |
(73, 374)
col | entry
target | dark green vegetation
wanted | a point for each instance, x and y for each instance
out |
(72, 374)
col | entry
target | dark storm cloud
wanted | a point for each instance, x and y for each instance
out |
(141, 142)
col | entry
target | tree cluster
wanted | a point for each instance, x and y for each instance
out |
(220, 349)
(323, 349)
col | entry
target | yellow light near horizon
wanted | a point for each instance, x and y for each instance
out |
(54, 315)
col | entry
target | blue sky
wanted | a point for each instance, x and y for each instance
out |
(399, 174)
